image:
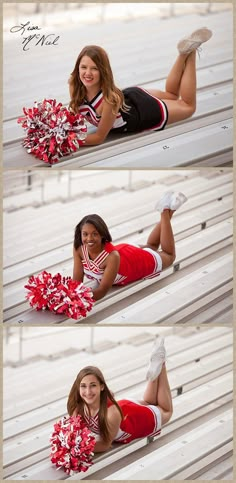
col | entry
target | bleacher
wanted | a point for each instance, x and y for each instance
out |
(197, 288)
(197, 443)
(204, 140)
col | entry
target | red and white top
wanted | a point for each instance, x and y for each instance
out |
(88, 110)
(135, 263)
(138, 421)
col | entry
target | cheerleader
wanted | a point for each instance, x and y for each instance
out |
(125, 420)
(94, 94)
(97, 258)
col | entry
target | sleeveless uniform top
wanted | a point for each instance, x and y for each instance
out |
(135, 263)
(88, 110)
(138, 421)
(145, 111)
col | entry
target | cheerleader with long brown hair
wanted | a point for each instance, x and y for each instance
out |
(122, 421)
(94, 94)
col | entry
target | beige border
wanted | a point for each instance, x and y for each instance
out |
(124, 1)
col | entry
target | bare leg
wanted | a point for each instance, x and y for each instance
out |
(173, 80)
(158, 393)
(185, 106)
(163, 234)
(181, 82)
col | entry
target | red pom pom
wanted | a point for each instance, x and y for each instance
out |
(72, 445)
(60, 295)
(52, 130)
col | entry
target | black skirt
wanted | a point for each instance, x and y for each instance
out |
(146, 111)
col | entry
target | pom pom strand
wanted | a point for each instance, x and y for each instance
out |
(52, 131)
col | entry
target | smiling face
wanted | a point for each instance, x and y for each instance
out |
(91, 237)
(89, 73)
(90, 390)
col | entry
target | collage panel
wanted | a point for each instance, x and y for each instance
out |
(117, 241)
(183, 274)
(176, 400)
(167, 100)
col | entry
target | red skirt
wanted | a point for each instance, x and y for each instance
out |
(135, 263)
(138, 421)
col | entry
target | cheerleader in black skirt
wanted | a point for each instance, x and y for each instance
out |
(95, 95)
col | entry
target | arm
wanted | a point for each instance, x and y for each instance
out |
(114, 420)
(105, 125)
(111, 270)
(78, 271)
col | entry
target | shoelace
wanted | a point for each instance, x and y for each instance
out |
(199, 49)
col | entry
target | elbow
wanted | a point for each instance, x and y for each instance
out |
(77, 278)
(100, 447)
(95, 138)
(98, 295)
(100, 139)
(100, 292)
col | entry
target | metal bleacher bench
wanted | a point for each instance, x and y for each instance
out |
(200, 278)
(206, 139)
(197, 439)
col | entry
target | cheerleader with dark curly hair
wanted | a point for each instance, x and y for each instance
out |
(97, 258)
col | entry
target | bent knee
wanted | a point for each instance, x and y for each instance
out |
(171, 259)
(192, 109)
(166, 416)
(167, 259)
(169, 415)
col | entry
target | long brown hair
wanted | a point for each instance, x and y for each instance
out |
(100, 226)
(75, 401)
(111, 93)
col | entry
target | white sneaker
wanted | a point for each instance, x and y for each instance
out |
(158, 357)
(177, 200)
(193, 41)
(164, 202)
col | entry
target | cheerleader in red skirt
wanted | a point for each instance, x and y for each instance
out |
(125, 420)
(97, 258)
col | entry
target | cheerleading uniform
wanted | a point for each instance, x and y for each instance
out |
(146, 111)
(135, 263)
(138, 421)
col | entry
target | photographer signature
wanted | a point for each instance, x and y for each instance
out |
(34, 38)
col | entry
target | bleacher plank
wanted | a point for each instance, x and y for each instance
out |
(153, 308)
(220, 466)
(110, 154)
(187, 149)
(217, 463)
(101, 157)
(215, 433)
(216, 289)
